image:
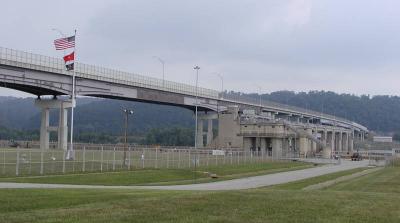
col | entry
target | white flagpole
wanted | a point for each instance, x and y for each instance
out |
(71, 151)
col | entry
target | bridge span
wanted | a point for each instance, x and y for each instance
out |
(245, 123)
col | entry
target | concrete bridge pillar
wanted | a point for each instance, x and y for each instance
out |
(340, 142)
(200, 138)
(304, 146)
(346, 142)
(62, 129)
(44, 133)
(210, 134)
(333, 140)
(200, 129)
(277, 146)
(351, 144)
(313, 144)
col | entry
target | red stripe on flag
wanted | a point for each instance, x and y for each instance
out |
(69, 57)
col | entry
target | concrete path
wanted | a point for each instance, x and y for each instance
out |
(237, 184)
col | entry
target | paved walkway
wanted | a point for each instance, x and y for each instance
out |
(237, 184)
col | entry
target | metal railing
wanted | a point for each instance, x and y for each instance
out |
(54, 65)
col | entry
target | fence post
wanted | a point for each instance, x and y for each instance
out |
(189, 158)
(143, 158)
(41, 161)
(92, 166)
(101, 159)
(63, 167)
(30, 162)
(179, 158)
(114, 160)
(156, 162)
(224, 158)
(208, 157)
(231, 156)
(17, 164)
(4, 162)
(84, 159)
(216, 159)
(167, 158)
(129, 158)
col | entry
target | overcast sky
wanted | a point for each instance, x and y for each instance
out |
(300, 45)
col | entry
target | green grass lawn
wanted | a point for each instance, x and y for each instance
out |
(297, 185)
(166, 176)
(384, 181)
(368, 199)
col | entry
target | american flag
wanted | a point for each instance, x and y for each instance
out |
(65, 43)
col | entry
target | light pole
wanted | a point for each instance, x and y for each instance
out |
(222, 84)
(259, 94)
(163, 69)
(197, 68)
(127, 112)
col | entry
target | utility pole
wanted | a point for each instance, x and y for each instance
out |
(127, 112)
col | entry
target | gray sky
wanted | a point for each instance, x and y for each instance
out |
(300, 45)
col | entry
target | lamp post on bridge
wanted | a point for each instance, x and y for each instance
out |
(259, 94)
(222, 84)
(127, 112)
(163, 68)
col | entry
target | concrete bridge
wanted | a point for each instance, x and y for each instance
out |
(244, 123)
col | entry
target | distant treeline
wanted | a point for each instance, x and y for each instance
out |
(101, 120)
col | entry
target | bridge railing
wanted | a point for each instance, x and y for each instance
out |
(278, 106)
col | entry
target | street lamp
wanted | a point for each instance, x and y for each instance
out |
(163, 68)
(259, 93)
(222, 84)
(127, 112)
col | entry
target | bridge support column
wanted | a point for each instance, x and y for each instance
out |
(340, 142)
(210, 134)
(346, 142)
(313, 143)
(45, 105)
(200, 129)
(304, 146)
(200, 141)
(63, 128)
(44, 133)
(277, 145)
(351, 141)
(333, 142)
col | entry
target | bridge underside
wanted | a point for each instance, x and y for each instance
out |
(231, 131)
(30, 89)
